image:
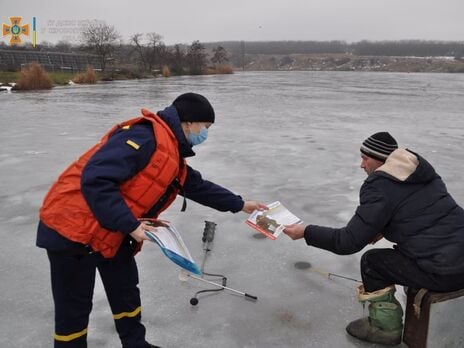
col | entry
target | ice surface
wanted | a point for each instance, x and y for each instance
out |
(287, 136)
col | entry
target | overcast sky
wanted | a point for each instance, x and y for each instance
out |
(182, 21)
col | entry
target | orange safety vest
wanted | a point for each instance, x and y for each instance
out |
(66, 211)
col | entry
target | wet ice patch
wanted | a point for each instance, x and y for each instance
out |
(34, 153)
(19, 219)
(302, 265)
(15, 200)
(9, 160)
(259, 236)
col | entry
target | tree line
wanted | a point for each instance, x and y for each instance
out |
(144, 52)
(417, 48)
(148, 53)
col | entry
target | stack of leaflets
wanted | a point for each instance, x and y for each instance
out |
(172, 245)
(272, 222)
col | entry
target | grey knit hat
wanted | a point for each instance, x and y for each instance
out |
(379, 146)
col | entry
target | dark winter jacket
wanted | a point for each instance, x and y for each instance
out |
(407, 202)
(116, 162)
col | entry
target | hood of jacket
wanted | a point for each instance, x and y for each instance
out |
(406, 166)
(171, 117)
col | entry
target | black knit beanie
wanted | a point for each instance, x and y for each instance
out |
(379, 146)
(193, 107)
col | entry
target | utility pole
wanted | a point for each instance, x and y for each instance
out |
(242, 50)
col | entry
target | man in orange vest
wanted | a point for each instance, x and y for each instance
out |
(90, 218)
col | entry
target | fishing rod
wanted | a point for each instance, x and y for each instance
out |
(194, 300)
(330, 274)
(207, 239)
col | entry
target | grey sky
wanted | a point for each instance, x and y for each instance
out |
(181, 21)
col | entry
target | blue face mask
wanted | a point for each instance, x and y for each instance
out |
(198, 138)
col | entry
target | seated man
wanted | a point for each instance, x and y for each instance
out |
(404, 200)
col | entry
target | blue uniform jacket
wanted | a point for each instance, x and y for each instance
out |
(117, 162)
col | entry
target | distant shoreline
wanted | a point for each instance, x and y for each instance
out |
(348, 62)
(302, 62)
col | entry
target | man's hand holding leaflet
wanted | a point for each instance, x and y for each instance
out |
(272, 222)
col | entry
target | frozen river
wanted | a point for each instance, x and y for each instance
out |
(288, 136)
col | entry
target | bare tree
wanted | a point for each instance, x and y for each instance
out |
(100, 38)
(163, 54)
(177, 59)
(219, 55)
(150, 49)
(196, 58)
(155, 45)
(136, 40)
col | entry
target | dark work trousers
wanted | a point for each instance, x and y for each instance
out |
(383, 267)
(73, 280)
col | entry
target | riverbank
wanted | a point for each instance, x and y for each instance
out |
(60, 78)
(348, 62)
(289, 62)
